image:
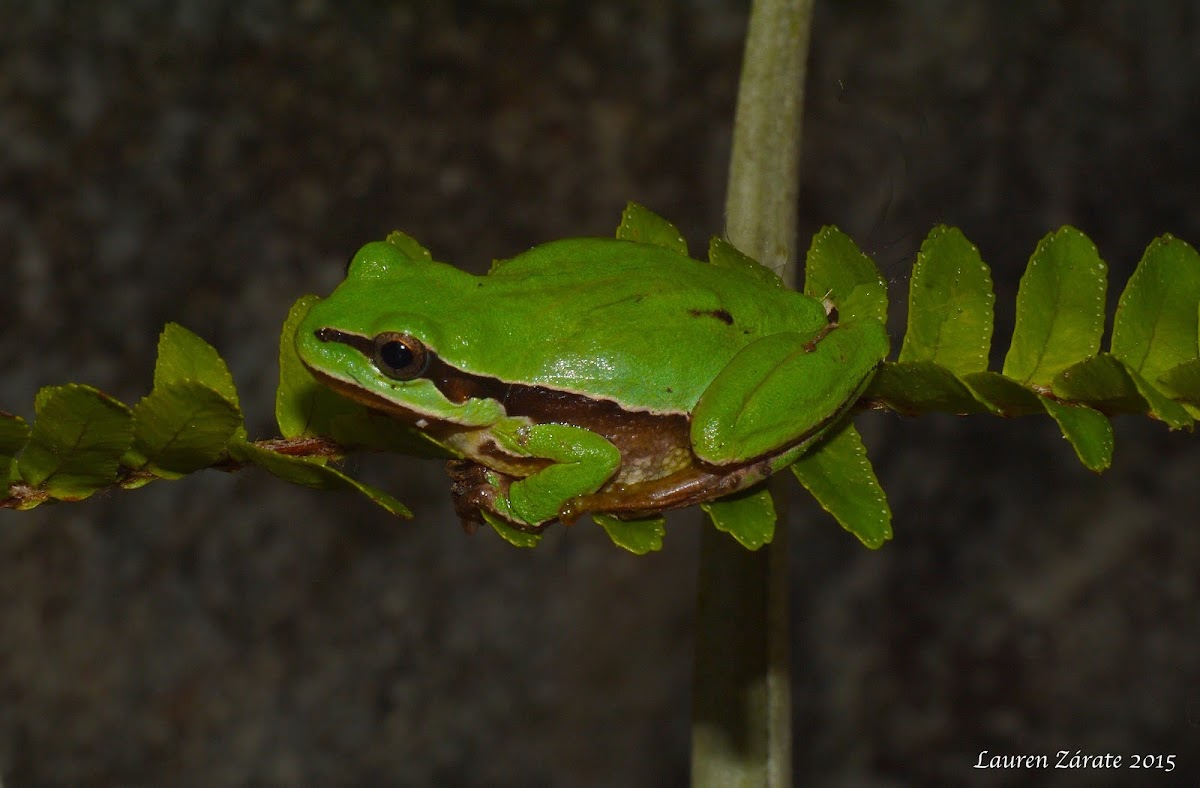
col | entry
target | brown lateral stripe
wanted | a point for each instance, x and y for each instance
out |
(539, 404)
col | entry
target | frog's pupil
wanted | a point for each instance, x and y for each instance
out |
(395, 355)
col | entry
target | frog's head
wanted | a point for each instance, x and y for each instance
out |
(375, 339)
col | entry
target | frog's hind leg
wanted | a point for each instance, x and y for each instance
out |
(783, 390)
(687, 487)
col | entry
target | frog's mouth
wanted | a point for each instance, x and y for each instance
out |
(367, 398)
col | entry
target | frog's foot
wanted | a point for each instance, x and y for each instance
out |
(470, 492)
(476, 489)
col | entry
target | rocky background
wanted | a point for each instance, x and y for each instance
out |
(210, 162)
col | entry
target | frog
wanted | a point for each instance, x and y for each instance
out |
(604, 376)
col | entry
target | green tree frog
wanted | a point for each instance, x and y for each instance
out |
(589, 374)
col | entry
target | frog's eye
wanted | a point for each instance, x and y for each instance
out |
(400, 356)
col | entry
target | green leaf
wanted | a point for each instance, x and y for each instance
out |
(1183, 382)
(748, 516)
(302, 405)
(1089, 431)
(182, 427)
(1100, 381)
(642, 225)
(1003, 396)
(14, 433)
(1106, 383)
(1156, 324)
(723, 254)
(838, 270)
(363, 428)
(838, 474)
(509, 534)
(76, 442)
(1060, 308)
(311, 473)
(639, 536)
(950, 302)
(1160, 406)
(915, 387)
(184, 356)
(136, 481)
(408, 246)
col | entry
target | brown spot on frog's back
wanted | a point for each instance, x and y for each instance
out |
(720, 314)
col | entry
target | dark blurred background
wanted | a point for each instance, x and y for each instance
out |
(210, 162)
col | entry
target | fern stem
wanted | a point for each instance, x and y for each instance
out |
(741, 716)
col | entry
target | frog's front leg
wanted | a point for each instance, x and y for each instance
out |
(580, 462)
(784, 390)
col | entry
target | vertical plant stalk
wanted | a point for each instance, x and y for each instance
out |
(741, 709)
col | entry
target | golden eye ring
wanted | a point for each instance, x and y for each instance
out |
(400, 356)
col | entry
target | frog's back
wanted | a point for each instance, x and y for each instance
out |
(638, 324)
(625, 279)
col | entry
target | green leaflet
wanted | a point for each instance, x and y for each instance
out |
(1105, 382)
(1102, 381)
(1088, 430)
(748, 516)
(76, 442)
(641, 225)
(302, 405)
(509, 534)
(950, 303)
(1156, 326)
(1183, 383)
(838, 474)
(192, 412)
(1060, 308)
(641, 536)
(1004, 396)
(184, 356)
(836, 268)
(723, 254)
(14, 433)
(914, 387)
(311, 473)
(182, 427)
